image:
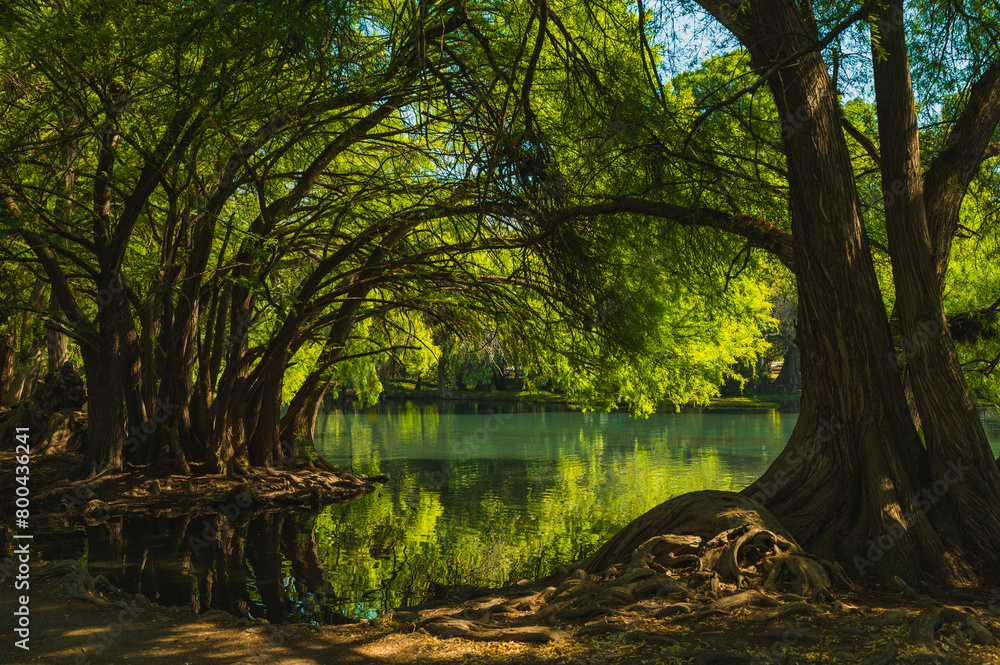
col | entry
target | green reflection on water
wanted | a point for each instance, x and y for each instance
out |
(487, 498)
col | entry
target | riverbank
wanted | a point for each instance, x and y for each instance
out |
(139, 491)
(873, 625)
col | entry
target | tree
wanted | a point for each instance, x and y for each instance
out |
(857, 481)
(246, 167)
(222, 198)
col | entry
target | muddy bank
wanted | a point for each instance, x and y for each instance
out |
(141, 490)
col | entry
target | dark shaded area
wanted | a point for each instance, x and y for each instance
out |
(266, 566)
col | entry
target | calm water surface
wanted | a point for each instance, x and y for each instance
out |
(485, 497)
(475, 496)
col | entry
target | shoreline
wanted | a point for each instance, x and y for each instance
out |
(756, 403)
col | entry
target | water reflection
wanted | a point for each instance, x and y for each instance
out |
(266, 566)
(487, 496)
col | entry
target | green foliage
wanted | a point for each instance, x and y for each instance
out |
(292, 179)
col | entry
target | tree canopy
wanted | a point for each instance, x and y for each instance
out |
(229, 207)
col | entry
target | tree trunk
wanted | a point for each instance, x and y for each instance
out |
(265, 403)
(106, 418)
(55, 341)
(227, 449)
(299, 422)
(442, 382)
(7, 352)
(58, 353)
(790, 376)
(958, 451)
(846, 484)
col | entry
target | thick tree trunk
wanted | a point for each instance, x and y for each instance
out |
(56, 349)
(958, 451)
(845, 486)
(299, 422)
(265, 403)
(227, 450)
(106, 416)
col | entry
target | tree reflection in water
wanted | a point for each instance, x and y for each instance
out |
(266, 566)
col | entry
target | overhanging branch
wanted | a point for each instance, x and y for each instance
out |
(758, 232)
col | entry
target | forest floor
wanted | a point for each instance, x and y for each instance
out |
(866, 625)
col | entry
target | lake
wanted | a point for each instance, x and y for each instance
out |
(476, 496)
(487, 497)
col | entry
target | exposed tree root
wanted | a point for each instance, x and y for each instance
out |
(134, 491)
(787, 611)
(922, 630)
(713, 537)
(79, 584)
(885, 656)
(970, 625)
(730, 603)
(448, 627)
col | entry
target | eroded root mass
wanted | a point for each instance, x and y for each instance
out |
(717, 535)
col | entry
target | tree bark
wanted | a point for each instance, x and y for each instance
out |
(106, 415)
(790, 376)
(227, 449)
(845, 486)
(956, 443)
(55, 341)
(8, 350)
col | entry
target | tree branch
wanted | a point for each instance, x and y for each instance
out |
(758, 232)
(862, 140)
(949, 175)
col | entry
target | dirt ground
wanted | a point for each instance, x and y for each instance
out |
(862, 625)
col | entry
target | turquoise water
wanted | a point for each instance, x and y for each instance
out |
(484, 497)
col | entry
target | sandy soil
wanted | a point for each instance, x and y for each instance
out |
(65, 629)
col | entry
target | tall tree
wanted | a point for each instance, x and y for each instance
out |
(856, 481)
